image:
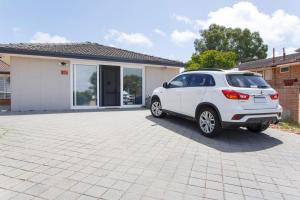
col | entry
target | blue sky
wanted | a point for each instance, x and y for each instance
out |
(165, 28)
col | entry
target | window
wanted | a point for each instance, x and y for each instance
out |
(132, 86)
(284, 69)
(4, 86)
(179, 81)
(247, 80)
(85, 85)
(200, 80)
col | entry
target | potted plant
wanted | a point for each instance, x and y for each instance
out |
(289, 82)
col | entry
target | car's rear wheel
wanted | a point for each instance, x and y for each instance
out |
(209, 122)
(256, 128)
(156, 109)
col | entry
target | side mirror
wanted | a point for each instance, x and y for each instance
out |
(165, 85)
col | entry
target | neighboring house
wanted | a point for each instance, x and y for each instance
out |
(82, 75)
(4, 85)
(283, 74)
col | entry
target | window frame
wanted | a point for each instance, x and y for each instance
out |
(74, 87)
(284, 67)
(6, 92)
(122, 85)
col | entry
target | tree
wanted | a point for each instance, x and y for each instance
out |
(211, 59)
(246, 44)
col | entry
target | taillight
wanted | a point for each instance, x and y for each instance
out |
(274, 96)
(231, 94)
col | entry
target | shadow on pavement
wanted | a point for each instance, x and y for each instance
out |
(230, 140)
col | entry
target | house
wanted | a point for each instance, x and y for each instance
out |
(82, 76)
(4, 85)
(283, 74)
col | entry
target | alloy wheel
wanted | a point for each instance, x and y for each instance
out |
(207, 122)
(156, 108)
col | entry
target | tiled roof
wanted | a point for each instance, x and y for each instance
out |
(280, 60)
(87, 50)
(4, 67)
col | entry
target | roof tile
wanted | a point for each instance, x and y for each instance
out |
(87, 50)
(280, 60)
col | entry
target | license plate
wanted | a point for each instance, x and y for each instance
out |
(260, 99)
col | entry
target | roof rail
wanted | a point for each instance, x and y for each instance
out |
(205, 69)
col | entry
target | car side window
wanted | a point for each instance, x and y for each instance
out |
(201, 80)
(179, 81)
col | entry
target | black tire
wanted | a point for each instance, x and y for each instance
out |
(156, 109)
(256, 128)
(205, 125)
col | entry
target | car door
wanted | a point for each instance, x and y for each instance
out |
(195, 92)
(171, 95)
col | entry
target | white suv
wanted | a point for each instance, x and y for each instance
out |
(219, 99)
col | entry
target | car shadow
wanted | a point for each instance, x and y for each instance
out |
(230, 140)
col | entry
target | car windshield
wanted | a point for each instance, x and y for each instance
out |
(247, 80)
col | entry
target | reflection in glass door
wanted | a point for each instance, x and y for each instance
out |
(132, 86)
(85, 85)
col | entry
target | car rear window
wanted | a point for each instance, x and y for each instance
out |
(246, 81)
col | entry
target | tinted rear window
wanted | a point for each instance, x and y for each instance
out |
(246, 81)
(200, 80)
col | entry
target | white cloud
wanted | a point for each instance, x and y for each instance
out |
(128, 38)
(183, 19)
(183, 36)
(278, 29)
(40, 37)
(16, 30)
(159, 32)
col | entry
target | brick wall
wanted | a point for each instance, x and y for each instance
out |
(277, 77)
(288, 95)
(289, 99)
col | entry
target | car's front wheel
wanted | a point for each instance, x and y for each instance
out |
(209, 122)
(156, 109)
(256, 128)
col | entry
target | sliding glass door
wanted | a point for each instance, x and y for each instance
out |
(107, 86)
(132, 86)
(85, 85)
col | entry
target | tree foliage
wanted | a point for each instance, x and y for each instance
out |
(132, 84)
(246, 44)
(212, 59)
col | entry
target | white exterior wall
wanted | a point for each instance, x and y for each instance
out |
(156, 76)
(37, 84)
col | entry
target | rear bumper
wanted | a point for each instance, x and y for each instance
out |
(251, 121)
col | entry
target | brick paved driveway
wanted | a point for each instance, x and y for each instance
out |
(130, 155)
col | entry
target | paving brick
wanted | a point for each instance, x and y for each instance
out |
(95, 191)
(36, 189)
(51, 193)
(112, 194)
(135, 156)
